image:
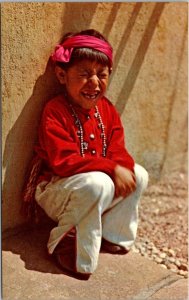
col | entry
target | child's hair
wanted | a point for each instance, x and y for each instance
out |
(79, 54)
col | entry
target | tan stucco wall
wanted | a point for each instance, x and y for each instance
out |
(148, 85)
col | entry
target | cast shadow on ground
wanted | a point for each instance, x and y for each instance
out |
(30, 245)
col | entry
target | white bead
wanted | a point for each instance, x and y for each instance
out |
(84, 145)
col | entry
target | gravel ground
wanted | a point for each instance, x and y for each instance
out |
(163, 225)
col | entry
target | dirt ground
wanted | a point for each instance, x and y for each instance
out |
(163, 215)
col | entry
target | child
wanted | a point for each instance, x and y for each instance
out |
(89, 184)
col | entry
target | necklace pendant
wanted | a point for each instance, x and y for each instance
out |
(80, 134)
(85, 145)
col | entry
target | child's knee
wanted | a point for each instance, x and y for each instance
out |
(141, 177)
(97, 189)
(98, 183)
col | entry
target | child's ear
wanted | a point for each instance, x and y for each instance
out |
(60, 74)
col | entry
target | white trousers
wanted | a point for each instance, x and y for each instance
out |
(85, 202)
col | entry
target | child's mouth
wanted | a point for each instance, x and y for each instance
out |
(90, 96)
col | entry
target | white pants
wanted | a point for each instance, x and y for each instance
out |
(85, 202)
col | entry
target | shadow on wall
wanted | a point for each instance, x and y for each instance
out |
(141, 52)
(126, 33)
(169, 139)
(22, 136)
(82, 14)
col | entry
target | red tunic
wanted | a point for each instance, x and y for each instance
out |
(59, 143)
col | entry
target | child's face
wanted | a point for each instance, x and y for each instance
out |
(85, 82)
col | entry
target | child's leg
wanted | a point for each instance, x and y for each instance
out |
(121, 220)
(78, 201)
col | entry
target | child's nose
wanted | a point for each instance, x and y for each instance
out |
(93, 80)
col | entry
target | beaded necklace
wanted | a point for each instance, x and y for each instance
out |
(83, 144)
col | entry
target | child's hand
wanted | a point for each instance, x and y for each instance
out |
(125, 182)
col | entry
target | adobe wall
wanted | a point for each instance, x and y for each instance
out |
(148, 85)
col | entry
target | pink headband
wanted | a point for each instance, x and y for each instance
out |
(63, 52)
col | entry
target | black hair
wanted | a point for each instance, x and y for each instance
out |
(79, 54)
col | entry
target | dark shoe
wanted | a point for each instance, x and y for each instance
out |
(112, 248)
(65, 255)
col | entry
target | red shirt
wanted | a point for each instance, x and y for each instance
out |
(59, 143)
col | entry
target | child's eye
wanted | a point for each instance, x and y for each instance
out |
(103, 75)
(83, 74)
